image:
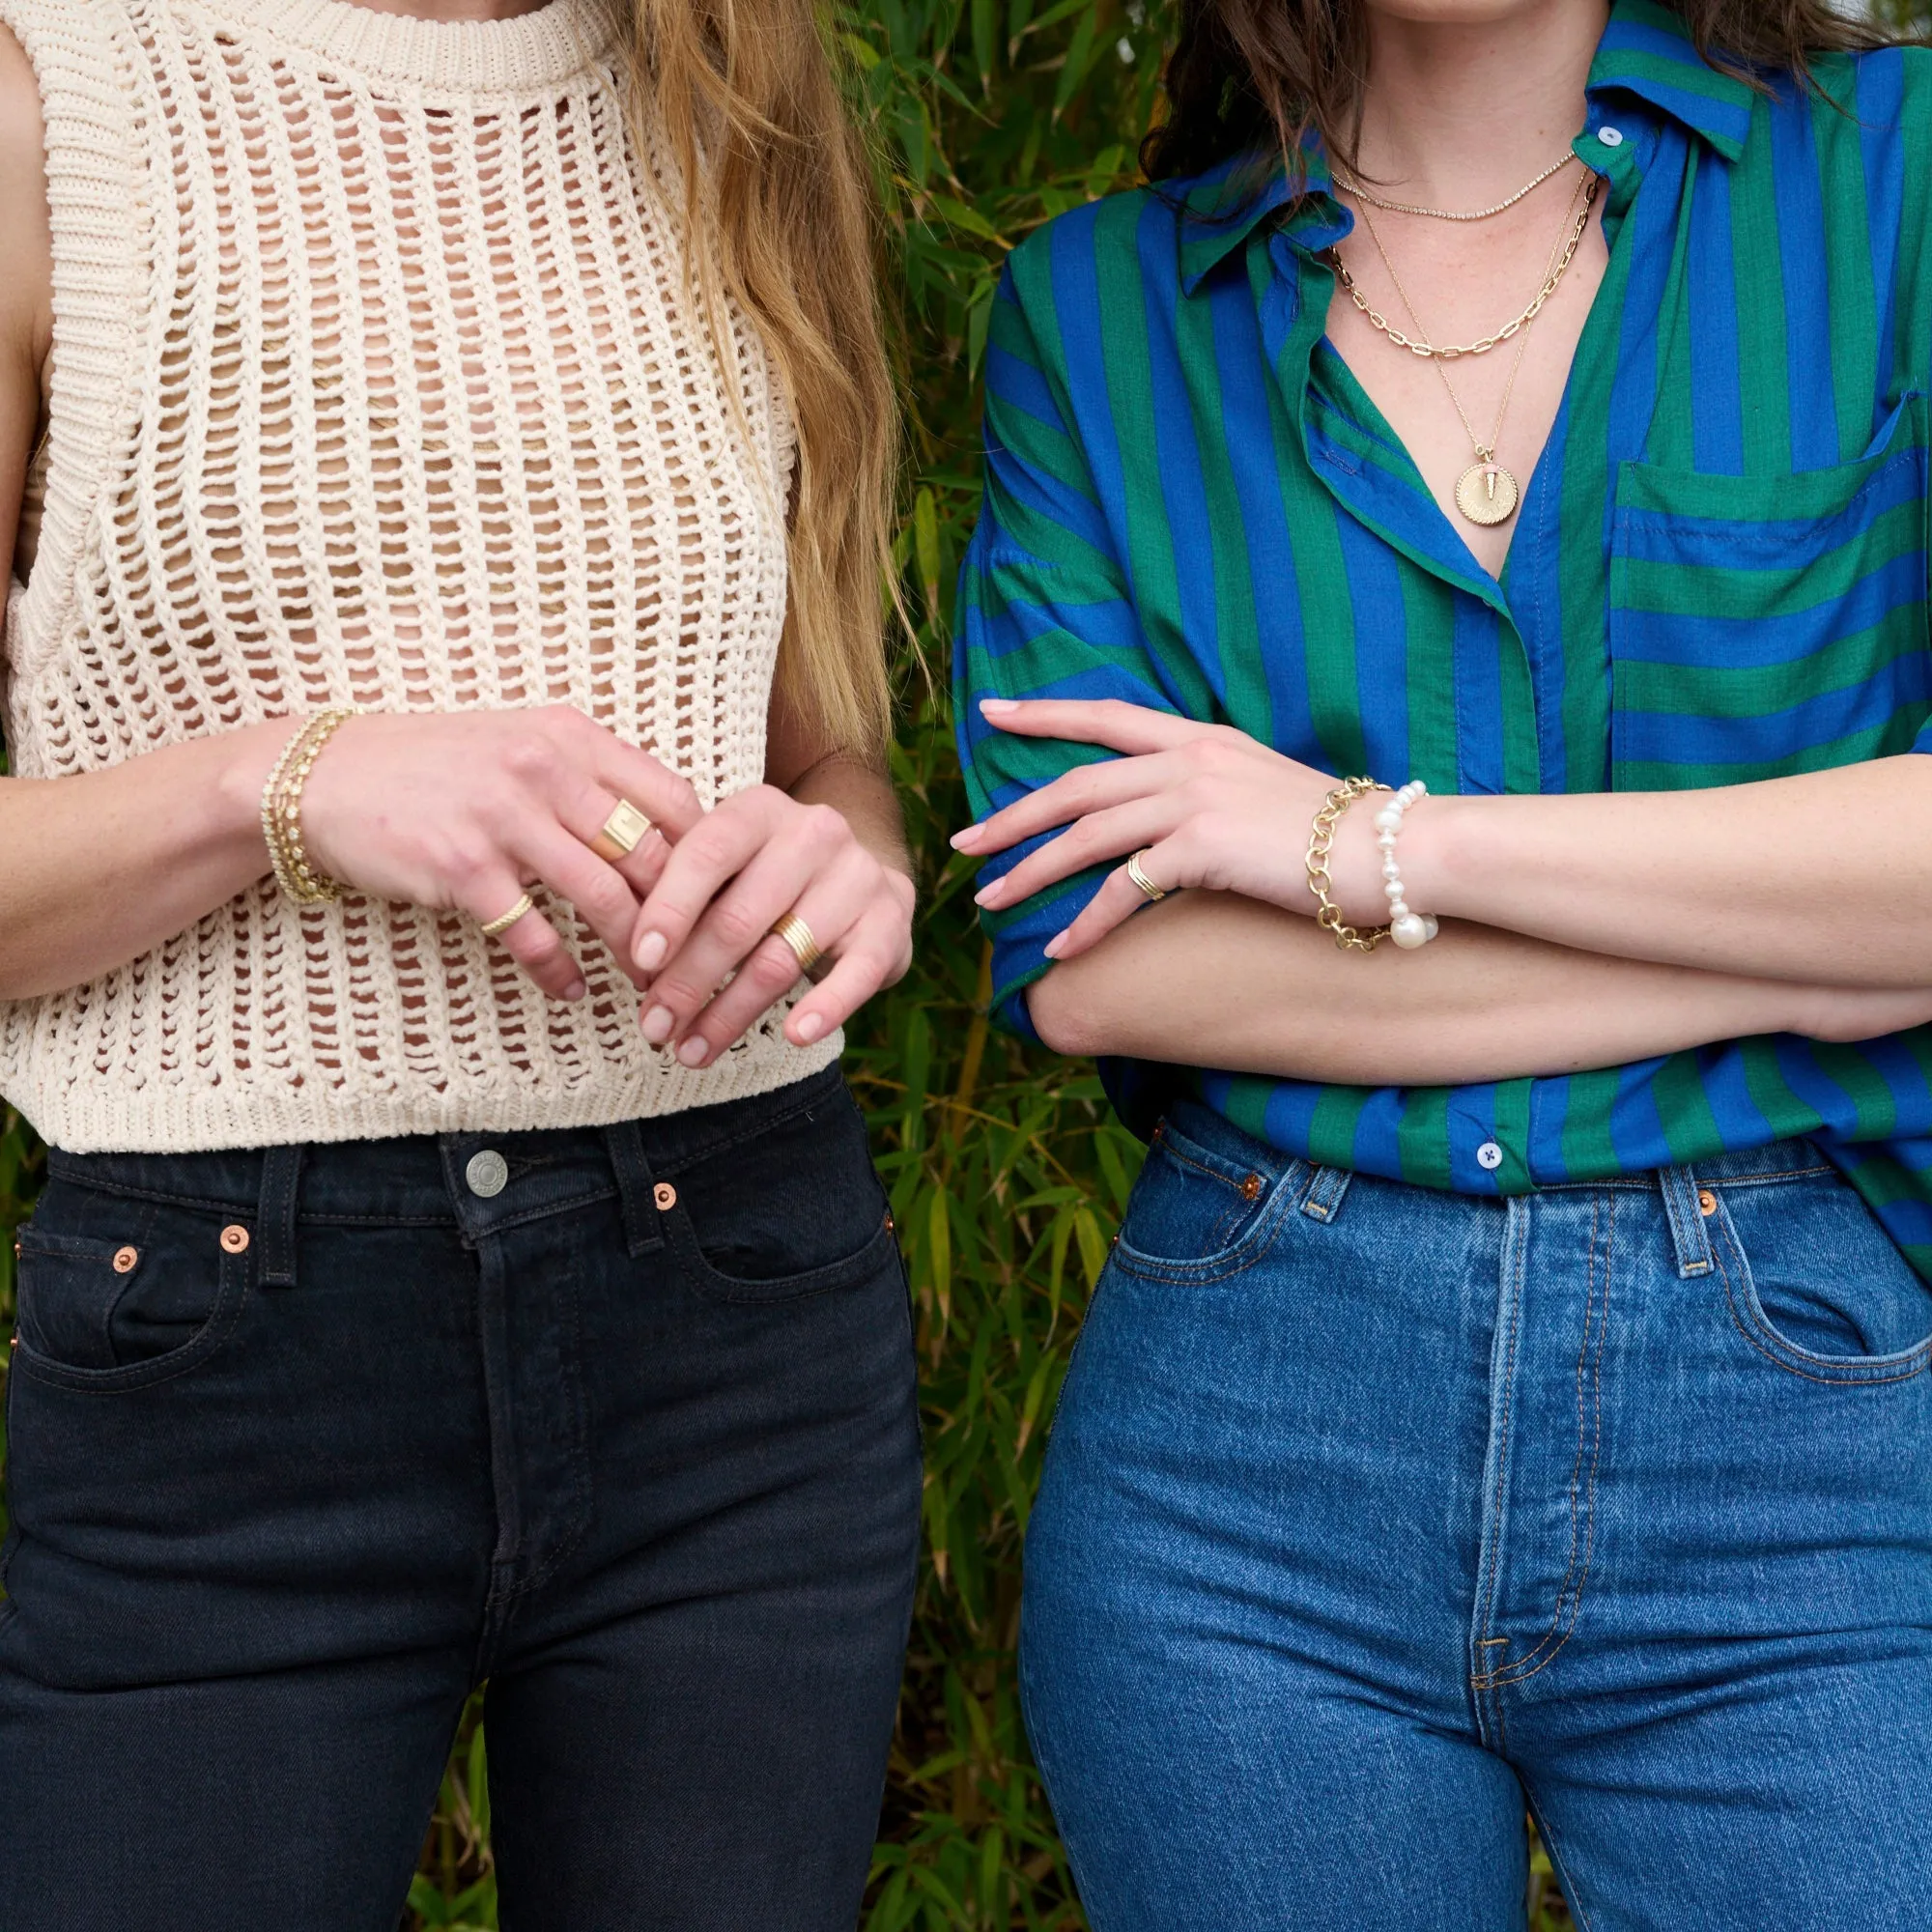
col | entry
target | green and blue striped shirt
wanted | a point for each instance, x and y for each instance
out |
(1719, 572)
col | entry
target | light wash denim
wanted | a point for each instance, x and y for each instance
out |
(1373, 1515)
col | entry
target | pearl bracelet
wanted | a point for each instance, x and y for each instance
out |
(1409, 929)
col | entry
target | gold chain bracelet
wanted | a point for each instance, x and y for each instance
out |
(1320, 841)
(281, 812)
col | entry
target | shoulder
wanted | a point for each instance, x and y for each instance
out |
(1072, 261)
(26, 295)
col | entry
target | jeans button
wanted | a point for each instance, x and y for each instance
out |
(1490, 1156)
(488, 1174)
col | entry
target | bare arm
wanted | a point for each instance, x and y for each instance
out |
(1208, 978)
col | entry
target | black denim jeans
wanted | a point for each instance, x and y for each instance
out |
(307, 1443)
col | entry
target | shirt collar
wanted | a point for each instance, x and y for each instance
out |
(1646, 51)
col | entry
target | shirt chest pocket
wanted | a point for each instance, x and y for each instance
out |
(1764, 626)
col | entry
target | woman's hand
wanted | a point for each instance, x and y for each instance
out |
(462, 811)
(756, 858)
(1211, 806)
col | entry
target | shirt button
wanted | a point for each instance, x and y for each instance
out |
(1489, 1155)
(488, 1174)
(1611, 137)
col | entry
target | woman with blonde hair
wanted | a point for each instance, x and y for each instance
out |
(450, 449)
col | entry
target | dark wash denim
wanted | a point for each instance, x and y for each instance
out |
(1372, 1511)
(634, 1439)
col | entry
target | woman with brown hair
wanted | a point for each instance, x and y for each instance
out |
(451, 450)
(1445, 670)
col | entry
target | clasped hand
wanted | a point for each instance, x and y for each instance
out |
(464, 810)
(1208, 805)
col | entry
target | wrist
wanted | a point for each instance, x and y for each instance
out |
(1436, 837)
(233, 800)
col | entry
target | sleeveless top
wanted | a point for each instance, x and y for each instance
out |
(376, 382)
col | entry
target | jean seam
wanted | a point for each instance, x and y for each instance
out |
(1771, 1345)
(1547, 1833)
(1545, 1654)
(1518, 1264)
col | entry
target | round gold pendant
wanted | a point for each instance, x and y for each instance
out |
(1486, 493)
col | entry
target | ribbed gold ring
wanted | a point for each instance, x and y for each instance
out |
(1154, 893)
(796, 934)
(621, 834)
(522, 909)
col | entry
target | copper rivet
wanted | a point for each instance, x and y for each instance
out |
(126, 1260)
(666, 1196)
(235, 1238)
(1707, 1202)
(1251, 1186)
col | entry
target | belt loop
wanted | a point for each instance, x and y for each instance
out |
(281, 1192)
(635, 1190)
(1322, 1198)
(1689, 1234)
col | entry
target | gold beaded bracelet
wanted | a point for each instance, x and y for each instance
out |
(1320, 841)
(281, 812)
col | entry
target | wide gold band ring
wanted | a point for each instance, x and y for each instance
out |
(804, 948)
(523, 908)
(621, 834)
(1154, 893)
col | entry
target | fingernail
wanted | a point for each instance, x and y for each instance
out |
(964, 841)
(651, 951)
(1052, 947)
(660, 1022)
(810, 1027)
(575, 990)
(694, 1053)
(987, 895)
(997, 707)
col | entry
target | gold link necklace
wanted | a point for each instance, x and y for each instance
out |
(1486, 493)
(1482, 347)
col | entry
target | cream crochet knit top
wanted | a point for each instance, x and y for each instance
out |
(374, 383)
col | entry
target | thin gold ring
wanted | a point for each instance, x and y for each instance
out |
(796, 934)
(621, 834)
(521, 910)
(1154, 893)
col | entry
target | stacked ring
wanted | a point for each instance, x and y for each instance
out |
(621, 834)
(804, 948)
(1154, 893)
(503, 924)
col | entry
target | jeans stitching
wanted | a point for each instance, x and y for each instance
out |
(1547, 1833)
(1773, 1346)
(1518, 1264)
(1526, 1667)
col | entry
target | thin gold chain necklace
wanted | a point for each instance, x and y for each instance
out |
(1486, 493)
(1350, 185)
(1449, 352)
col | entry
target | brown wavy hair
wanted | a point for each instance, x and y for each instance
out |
(1249, 76)
(779, 221)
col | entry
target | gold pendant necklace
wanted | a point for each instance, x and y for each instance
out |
(1486, 493)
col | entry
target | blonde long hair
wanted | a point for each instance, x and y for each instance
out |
(780, 219)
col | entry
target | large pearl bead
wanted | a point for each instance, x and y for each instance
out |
(1410, 931)
(1388, 820)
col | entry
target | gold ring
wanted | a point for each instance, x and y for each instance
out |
(522, 909)
(1154, 893)
(796, 934)
(621, 834)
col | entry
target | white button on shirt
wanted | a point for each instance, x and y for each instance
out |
(1489, 1155)
(1611, 137)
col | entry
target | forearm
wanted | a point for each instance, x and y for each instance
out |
(98, 869)
(1212, 979)
(864, 797)
(1823, 877)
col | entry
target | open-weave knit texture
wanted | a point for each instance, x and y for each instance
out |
(376, 382)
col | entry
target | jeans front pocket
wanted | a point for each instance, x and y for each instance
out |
(1201, 1214)
(1766, 626)
(1816, 1287)
(117, 1295)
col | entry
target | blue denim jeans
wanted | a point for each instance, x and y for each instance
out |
(1373, 1515)
(306, 1444)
